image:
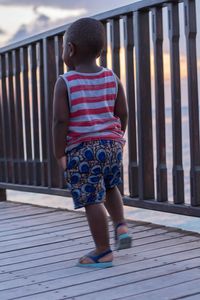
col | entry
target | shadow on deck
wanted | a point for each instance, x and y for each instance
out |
(39, 248)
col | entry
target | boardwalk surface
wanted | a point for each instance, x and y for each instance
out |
(39, 248)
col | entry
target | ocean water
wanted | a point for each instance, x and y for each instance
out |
(169, 153)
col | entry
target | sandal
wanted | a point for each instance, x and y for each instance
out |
(123, 240)
(95, 260)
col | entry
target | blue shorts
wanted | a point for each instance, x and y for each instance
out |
(92, 168)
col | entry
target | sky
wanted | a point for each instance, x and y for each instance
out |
(23, 18)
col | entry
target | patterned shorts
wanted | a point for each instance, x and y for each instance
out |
(92, 168)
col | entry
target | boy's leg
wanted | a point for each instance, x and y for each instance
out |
(98, 223)
(114, 205)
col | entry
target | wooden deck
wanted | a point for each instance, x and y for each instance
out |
(39, 248)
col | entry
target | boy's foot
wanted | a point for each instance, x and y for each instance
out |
(94, 260)
(122, 238)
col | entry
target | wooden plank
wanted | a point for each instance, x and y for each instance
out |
(13, 211)
(76, 229)
(47, 221)
(39, 261)
(161, 169)
(144, 110)
(27, 220)
(59, 265)
(196, 296)
(178, 180)
(23, 214)
(35, 221)
(115, 287)
(149, 238)
(183, 290)
(130, 93)
(168, 241)
(8, 205)
(33, 281)
(193, 100)
(47, 250)
(136, 255)
(61, 229)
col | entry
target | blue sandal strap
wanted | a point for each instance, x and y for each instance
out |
(116, 227)
(120, 224)
(96, 258)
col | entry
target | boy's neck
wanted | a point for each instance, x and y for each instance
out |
(88, 67)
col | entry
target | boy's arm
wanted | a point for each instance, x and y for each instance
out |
(60, 121)
(121, 109)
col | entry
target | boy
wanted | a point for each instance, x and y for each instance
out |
(90, 112)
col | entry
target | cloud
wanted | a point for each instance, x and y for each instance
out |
(48, 14)
(92, 6)
(2, 32)
(53, 3)
(40, 24)
(24, 31)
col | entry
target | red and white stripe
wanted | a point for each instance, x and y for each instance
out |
(92, 100)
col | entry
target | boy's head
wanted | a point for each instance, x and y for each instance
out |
(84, 40)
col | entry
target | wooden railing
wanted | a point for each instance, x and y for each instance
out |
(28, 71)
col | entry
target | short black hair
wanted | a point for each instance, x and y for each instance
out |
(88, 35)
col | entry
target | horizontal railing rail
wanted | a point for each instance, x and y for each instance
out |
(28, 71)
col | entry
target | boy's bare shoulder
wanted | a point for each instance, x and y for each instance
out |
(60, 85)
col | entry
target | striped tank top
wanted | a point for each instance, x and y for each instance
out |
(91, 103)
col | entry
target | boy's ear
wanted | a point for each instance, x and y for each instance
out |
(71, 49)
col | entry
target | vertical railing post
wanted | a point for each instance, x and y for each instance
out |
(103, 57)
(44, 175)
(130, 93)
(49, 81)
(11, 117)
(161, 170)
(3, 196)
(178, 180)
(18, 119)
(58, 50)
(5, 119)
(115, 45)
(115, 49)
(26, 105)
(144, 110)
(191, 32)
(58, 40)
(35, 121)
(3, 161)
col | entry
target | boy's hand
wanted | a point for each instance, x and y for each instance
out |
(62, 162)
